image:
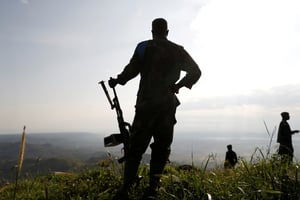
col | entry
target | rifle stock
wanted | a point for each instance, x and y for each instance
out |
(124, 127)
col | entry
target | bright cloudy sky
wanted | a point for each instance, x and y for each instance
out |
(53, 53)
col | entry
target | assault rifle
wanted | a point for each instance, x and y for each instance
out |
(124, 127)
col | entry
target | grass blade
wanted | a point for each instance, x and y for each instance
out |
(22, 151)
(20, 161)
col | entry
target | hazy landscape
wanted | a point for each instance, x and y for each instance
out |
(186, 146)
(49, 152)
(77, 166)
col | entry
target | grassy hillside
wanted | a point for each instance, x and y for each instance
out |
(260, 178)
(44, 158)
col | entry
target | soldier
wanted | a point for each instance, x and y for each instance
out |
(230, 158)
(284, 137)
(159, 63)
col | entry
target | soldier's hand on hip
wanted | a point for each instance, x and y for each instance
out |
(175, 88)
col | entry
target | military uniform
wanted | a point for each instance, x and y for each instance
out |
(230, 159)
(285, 140)
(159, 63)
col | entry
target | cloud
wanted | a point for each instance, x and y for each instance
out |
(24, 1)
(240, 113)
(65, 39)
(281, 96)
(246, 45)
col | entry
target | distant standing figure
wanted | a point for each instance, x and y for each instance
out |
(231, 158)
(284, 137)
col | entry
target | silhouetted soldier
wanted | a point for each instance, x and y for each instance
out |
(284, 137)
(159, 63)
(230, 158)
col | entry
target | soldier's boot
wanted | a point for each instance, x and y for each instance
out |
(121, 195)
(150, 194)
(130, 174)
(156, 169)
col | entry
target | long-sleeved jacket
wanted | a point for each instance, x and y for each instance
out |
(231, 157)
(284, 134)
(159, 63)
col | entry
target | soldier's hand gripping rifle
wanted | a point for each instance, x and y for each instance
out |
(124, 127)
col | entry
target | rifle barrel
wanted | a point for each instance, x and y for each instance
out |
(107, 94)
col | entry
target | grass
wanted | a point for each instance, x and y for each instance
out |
(20, 161)
(259, 178)
(265, 176)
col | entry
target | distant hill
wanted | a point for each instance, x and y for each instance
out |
(80, 139)
(49, 145)
(46, 152)
(49, 152)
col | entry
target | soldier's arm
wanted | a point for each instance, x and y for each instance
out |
(192, 70)
(130, 71)
(133, 68)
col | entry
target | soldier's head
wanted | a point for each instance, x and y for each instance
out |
(159, 28)
(229, 147)
(285, 115)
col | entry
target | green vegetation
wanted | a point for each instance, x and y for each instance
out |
(264, 176)
(260, 178)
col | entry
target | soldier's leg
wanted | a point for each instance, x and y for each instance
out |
(161, 147)
(290, 153)
(138, 143)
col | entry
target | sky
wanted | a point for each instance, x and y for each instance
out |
(54, 53)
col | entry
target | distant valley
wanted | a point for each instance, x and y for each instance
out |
(49, 152)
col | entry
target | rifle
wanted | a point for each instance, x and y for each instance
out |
(124, 127)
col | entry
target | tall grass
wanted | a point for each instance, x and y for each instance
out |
(271, 135)
(20, 161)
(264, 177)
(259, 179)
